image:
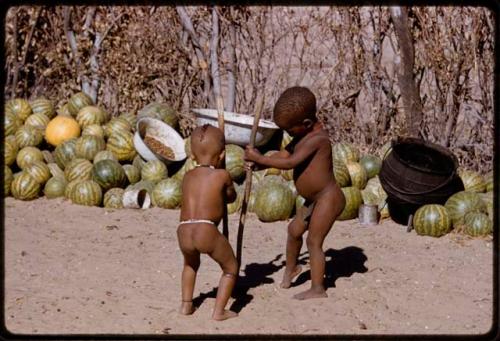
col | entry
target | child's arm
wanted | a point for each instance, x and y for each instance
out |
(279, 154)
(230, 191)
(283, 160)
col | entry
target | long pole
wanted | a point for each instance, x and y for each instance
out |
(220, 117)
(248, 184)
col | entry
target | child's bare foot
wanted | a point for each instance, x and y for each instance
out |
(226, 314)
(311, 293)
(289, 276)
(187, 308)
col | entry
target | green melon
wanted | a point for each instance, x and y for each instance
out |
(104, 155)
(8, 176)
(235, 163)
(19, 107)
(131, 118)
(78, 169)
(24, 187)
(273, 201)
(87, 193)
(121, 143)
(473, 181)
(113, 198)
(37, 120)
(11, 123)
(55, 170)
(86, 147)
(133, 173)
(353, 199)
(488, 179)
(372, 164)
(461, 203)
(235, 206)
(65, 152)
(143, 184)
(299, 202)
(287, 174)
(345, 152)
(38, 171)
(160, 111)
(154, 170)
(44, 106)
(167, 193)
(28, 136)
(432, 220)
(341, 173)
(487, 199)
(117, 124)
(63, 110)
(10, 151)
(385, 150)
(91, 114)
(68, 190)
(28, 155)
(285, 140)
(188, 165)
(477, 224)
(77, 102)
(54, 188)
(187, 146)
(271, 170)
(109, 174)
(357, 174)
(93, 129)
(138, 162)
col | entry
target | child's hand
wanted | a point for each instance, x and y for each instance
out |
(248, 166)
(251, 154)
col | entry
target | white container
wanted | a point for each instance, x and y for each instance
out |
(237, 127)
(161, 132)
(136, 198)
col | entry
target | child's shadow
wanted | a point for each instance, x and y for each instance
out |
(342, 263)
(255, 275)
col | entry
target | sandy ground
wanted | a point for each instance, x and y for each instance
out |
(74, 269)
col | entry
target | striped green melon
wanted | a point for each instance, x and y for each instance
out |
(11, 123)
(383, 209)
(48, 156)
(10, 150)
(8, 176)
(109, 174)
(345, 152)
(271, 170)
(86, 147)
(299, 202)
(104, 155)
(353, 199)
(91, 114)
(19, 107)
(78, 169)
(432, 220)
(117, 124)
(121, 143)
(161, 111)
(287, 174)
(93, 129)
(167, 193)
(188, 165)
(37, 120)
(487, 199)
(473, 181)
(28, 155)
(29, 136)
(461, 203)
(131, 118)
(357, 174)
(113, 198)
(38, 171)
(285, 140)
(133, 173)
(78, 101)
(488, 179)
(44, 106)
(477, 224)
(154, 170)
(65, 152)
(87, 193)
(372, 164)
(341, 173)
(273, 201)
(138, 162)
(24, 187)
(369, 198)
(235, 162)
(55, 170)
(63, 110)
(54, 188)
(143, 184)
(69, 188)
(235, 206)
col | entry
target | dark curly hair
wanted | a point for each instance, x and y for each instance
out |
(295, 105)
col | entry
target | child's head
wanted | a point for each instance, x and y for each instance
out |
(295, 108)
(207, 144)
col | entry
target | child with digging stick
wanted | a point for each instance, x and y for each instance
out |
(309, 154)
(206, 189)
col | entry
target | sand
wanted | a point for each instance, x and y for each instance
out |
(84, 270)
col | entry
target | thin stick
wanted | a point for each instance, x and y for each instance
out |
(248, 185)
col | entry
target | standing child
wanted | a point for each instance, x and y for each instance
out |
(309, 154)
(205, 191)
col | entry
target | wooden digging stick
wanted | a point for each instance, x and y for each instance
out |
(248, 185)
(220, 117)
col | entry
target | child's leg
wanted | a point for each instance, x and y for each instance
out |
(224, 255)
(296, 229)
(191, 265)
(326, 210)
